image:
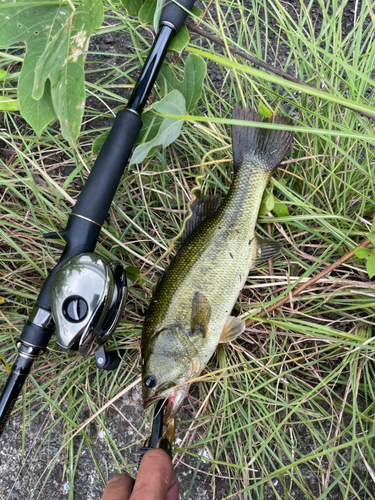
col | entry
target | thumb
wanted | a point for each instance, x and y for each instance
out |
(156, 479)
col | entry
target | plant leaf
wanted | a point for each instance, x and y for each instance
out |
(263, 209)
(192, 84)
(7, 104)
(132, 272)
(98, 143)
(150, 127)
(361, 253)
(170, 128)
(373, 225)
(158, 9)
(371, 237)
(146, 14)
(270, 202)
(7, 367)
(370, 265)
(180, 41)
(263, 110)
(132, 6)
(62, 63)
(280, 210)
(3, 74)
(35, 25)
(196, 11)
(52, 33)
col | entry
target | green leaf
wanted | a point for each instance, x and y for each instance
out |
(53, 33)
(361, 253)
(7, 104)
(98, 143)
(373, 225)
(132, 273)
(196, 11)
(263, 110)
(283, 182)
(280, 210)
(150, 127)
(62, 63)
(370, 265)
(132, 6)
(192, 84)
(270, 202)
(146, 14)
(180, 41)
(263, 209)
(371, 237)
(3, 74)
(170, 129)
(35, 25)
(7, 367)
(158, 9)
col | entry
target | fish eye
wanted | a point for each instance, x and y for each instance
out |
(150, 381)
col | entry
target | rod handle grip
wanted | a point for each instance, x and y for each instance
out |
(97, 194)
(174, 14)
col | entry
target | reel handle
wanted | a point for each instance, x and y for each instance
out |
(108, 361)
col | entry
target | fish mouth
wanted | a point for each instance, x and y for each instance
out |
(173, 401)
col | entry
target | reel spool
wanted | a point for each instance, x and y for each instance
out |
(88, 295)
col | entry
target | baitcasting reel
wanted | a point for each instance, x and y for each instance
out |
(88, 295)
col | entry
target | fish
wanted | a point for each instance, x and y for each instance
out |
(189, 314)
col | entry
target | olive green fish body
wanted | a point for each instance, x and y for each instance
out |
(192, 302)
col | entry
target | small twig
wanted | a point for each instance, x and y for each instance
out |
(309, 283)
(262, 64)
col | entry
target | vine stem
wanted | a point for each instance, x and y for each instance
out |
(309, 283)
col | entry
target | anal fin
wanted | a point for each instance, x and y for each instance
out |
(232, 329)
(266, 249)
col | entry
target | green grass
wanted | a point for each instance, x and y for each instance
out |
(289, 408)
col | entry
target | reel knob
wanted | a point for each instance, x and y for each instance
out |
(88, 295)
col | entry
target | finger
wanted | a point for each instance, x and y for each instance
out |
(156, 479)
(119, 487)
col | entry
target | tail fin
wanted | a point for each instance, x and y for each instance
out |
(269, 145)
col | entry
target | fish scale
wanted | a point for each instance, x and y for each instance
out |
(189, 311)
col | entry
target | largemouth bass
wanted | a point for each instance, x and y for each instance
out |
(190, 310)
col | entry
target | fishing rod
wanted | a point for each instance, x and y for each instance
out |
(84, 295)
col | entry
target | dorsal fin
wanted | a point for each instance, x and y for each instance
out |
(202, 208)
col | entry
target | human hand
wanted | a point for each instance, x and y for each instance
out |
(156, 480)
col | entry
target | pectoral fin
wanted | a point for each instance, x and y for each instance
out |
(266, 249)
(232, 329)
(200, 314)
